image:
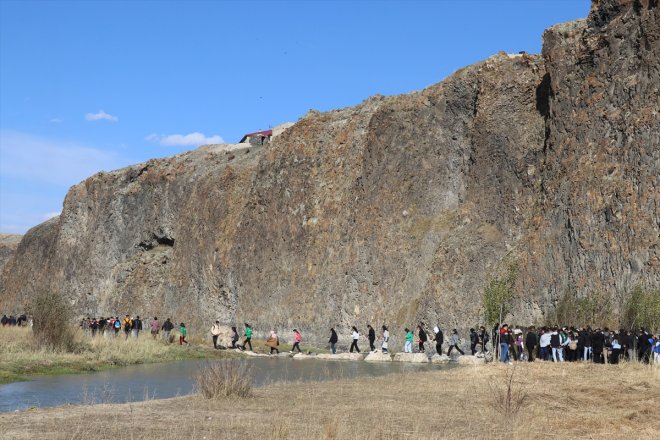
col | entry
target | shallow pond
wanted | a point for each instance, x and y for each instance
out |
(160, 381)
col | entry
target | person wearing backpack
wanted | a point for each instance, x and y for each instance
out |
(128, 324)
(531, 341)
(116, 325)
(248, 336)
(136, 326)
(273, 341)
(438, 338)
(297, 339)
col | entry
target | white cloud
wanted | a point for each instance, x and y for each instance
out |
(100, 116)
(49, 215)
(56, 120)
(41, 160)
(191, 139)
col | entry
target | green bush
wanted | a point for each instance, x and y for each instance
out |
(51, 318)
(642, 309)
(224, 378)
(498, 295)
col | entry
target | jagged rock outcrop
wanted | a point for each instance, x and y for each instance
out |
(397, 210)
(8, 245)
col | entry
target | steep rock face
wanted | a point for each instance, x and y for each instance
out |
(397, 210)
(8, 245)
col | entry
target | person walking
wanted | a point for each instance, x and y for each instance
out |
(438, 338)
(136, 326)
(407, 348)
(167, 328)
(333, 341)
(215, 333)
(155, 327)
(297, 339)
(504, 344)
(531, 341)
(544, 343)
(234, 337)
(454, 343)
(421, 334)
(483, 339)
(273, 341)
(474, 340)
(247, 334)
(182, 334)
(372, 338)
(128, 325)
(386, 340)
(116, 325)
(355, 336)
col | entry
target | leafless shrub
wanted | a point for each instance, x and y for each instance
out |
(509, 393)
(51, 317)
(226, 378)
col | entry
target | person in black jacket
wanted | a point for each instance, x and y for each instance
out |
(439, 339)
(333, 340)
(531, 341)
(483, 338)
(422, 338)
(137, 326)
(167, 329)
(643, 346)
(597, 346)
(474, 340)
(372, 338)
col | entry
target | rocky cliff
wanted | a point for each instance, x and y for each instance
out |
(397, 210)
(8, 245)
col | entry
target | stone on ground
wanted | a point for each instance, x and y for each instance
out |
(415, 358)
(470, 360)
(340, 356)
(378, 356)
(440, 359)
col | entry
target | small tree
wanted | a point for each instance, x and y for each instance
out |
(642, 309)
(498, 295)
(50, 318)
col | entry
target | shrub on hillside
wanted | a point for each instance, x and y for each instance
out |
(50, 321)
(224, 378)
(642, 309)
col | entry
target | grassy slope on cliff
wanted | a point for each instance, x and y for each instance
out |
(566, 401)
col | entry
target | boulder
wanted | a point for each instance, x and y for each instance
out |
(470, 360)
(415, 358)
(440, 359)
(340, 356)
(378, 356)
(299, 356)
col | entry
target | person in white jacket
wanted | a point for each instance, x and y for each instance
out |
(355, 336)
(215, 333)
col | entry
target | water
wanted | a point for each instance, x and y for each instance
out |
(160, 381)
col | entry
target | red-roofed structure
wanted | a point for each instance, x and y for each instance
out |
(257, 134)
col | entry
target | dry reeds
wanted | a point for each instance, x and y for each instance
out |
(225, 378)
(509, 393)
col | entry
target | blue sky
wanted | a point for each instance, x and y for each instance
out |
(87, 86)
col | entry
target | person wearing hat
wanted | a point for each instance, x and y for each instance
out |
(297, 339)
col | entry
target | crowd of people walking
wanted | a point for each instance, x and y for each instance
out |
(509, 343)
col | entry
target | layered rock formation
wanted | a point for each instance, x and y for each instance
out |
(397, 210)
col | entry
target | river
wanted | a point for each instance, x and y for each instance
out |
(160, 381)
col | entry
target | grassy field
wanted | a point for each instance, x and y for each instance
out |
(20, 357)
(575, 401)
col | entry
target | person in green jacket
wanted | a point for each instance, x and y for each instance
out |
(409, 339)
(182, 334)
(248, 336)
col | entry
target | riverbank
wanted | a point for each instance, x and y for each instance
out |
(565, 400)
(20, 358)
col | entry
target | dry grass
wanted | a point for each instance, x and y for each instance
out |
(564, 401)
(226, 378)
(21, 356)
